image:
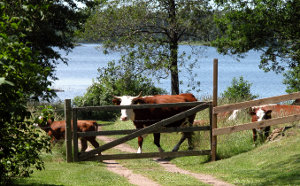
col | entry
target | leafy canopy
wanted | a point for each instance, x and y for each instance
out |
(148, 33)
(271, 26)
(29, 31)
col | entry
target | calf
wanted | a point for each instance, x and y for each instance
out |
(56, 130)
(148, 116)
(259, 114)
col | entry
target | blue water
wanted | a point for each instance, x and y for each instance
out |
(85, 59)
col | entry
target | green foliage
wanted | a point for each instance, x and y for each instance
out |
(21, 145)
(29, 31)
(149, 32)
(239, 91)
(272, 27)
(292, 80)
(113, 81)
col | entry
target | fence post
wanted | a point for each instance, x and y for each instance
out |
(68, 134)
(214, 116)
(75, 136)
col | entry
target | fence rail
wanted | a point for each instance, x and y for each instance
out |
(253, 125)
(124, 132)
(141, 106)
(258, 102)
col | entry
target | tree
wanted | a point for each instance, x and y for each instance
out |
(114, 80)
(29, 30)
(239, 91)
(149, 32)
(270, 26)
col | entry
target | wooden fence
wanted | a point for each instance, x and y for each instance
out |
(130, 134)
(242, 105)
(214, 110)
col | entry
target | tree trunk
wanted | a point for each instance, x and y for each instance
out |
(174, 70)
(173, 48)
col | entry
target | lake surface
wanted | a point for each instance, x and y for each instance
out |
(85, 59)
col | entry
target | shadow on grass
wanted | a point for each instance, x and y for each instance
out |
(279, 173)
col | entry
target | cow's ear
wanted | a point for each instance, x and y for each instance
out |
(251, 112)
(268, 113)
(116, 101)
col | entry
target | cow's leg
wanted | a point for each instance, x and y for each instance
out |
(189, 135)
(267, 131)
(83, 144)
(176, 147)
(157, 141)
(254, 135)
(185, 135)
(93, 141)
(190, 140)
(140, 143)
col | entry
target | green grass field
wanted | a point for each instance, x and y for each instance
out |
(241, 163)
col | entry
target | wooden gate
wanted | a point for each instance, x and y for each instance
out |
(131, 134)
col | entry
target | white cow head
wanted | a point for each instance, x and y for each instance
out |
(259, 114)
(126, 114)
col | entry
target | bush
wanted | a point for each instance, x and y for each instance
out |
(114, 81)
(238, 91)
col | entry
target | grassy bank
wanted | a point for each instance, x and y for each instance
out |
(242, 163)
(58, 172)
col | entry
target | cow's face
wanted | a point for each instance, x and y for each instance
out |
(259, 114)
(126, 114)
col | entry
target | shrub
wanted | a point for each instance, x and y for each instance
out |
(114, 81)
(239, 91)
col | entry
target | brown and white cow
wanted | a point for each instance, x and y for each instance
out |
(146, 117)
(259, 114)
(56, 130)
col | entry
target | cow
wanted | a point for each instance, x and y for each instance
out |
(56, 130)
(145, 117)
(259, 114)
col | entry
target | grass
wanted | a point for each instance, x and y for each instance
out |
(242, 163)
(273, 163)
(58, 172)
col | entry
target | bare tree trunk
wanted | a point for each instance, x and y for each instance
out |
(173, 48)
(174, 70)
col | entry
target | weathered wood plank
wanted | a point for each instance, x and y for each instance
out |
(68, 134)
(148, 129)
(214, 122)
(148, 155)
(141, 106)
(163, 130)
(248, 126)
(247, 104)
(75, 137)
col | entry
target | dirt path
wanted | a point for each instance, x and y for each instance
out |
(141, 180)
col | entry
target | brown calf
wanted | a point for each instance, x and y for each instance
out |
(56, 130)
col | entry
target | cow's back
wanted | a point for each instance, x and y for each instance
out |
(146, 117)
(282, 110)
(58, 128)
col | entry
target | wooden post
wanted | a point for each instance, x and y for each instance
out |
(68, 134)
(214, 116)
(75, 136)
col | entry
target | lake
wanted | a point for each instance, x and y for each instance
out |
(85, 59)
